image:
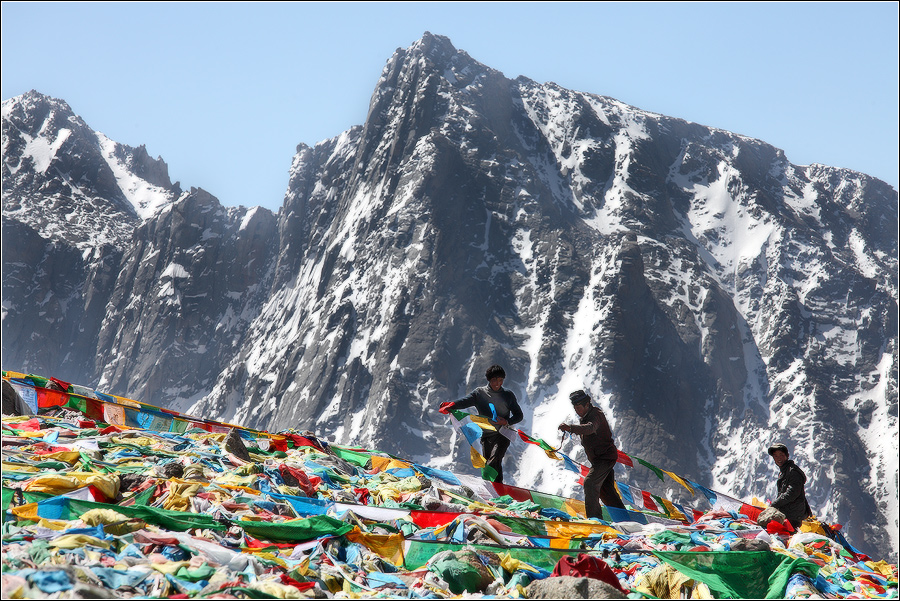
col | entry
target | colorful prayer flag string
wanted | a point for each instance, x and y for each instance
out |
(472, 427)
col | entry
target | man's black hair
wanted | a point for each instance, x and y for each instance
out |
(778, 447)
(495, 371)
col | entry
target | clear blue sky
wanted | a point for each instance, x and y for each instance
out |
(225, 92)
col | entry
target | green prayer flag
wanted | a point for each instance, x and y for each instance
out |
(204, 572)
(417, 553)
(8, 496)
(650, 466)
(39, 551)
(459, 414)
(77, 403)
(740, 574)
(249, 593)
(296, 530)
(551, 501)
(526, 526)
(354, 457)
(143, 497)
(668, 536)
(488, 473)
(66, 508)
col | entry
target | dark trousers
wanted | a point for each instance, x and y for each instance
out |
(494, 445)
(600, 486)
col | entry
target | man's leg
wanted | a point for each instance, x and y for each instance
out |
(608, 493)
(592, 484)
(494, 445)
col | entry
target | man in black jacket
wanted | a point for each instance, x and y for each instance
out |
(791, 499)
(597, 438)
(500, 406)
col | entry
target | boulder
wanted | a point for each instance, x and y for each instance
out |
(750, 544)
(235, 445)
(770, 514)
(571, 587)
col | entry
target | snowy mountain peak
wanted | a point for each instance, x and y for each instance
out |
(713, 296)
(96, 187)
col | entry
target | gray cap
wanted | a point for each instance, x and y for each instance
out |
(778, 447)
(579, 396)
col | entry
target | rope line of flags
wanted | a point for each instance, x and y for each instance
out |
(473, 426)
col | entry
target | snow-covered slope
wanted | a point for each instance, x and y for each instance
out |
(55, 166)
(714, 297)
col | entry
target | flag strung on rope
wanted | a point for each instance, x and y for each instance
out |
(120, 413)
(472, 427)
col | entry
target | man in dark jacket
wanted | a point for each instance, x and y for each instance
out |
(597, 438)
(500, 407)
(791, 499)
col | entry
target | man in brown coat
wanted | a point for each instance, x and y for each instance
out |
(597, 438)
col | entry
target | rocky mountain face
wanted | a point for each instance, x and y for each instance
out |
(71, 200)
(713, 297)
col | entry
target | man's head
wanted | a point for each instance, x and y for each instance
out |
(779, 453)
(495, 376)
(581, 402)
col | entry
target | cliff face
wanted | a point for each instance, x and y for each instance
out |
(712, 296)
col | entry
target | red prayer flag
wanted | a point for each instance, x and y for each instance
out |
(60, 383)
(519, 494)
(587, 566)
(50, 398)
(432, 519)
(750, 511)
(525, 437)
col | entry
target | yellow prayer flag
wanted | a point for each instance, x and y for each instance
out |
(20, 468)
(170, 567)
(387, 463)
(673, 511)
(681, 481)
(477, 460)
(388, 546)
(76, 541)
(27, 434)
(882, 567)
(511, 565)
(561, 543)
(483, 422)
(70, 457)
(52, 524)
(28, 511)
(58, 484)
(575, 508)
(570, 530)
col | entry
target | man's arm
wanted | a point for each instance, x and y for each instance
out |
(516, 414)
(585, 428)
(465, 402)
(591, 426)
